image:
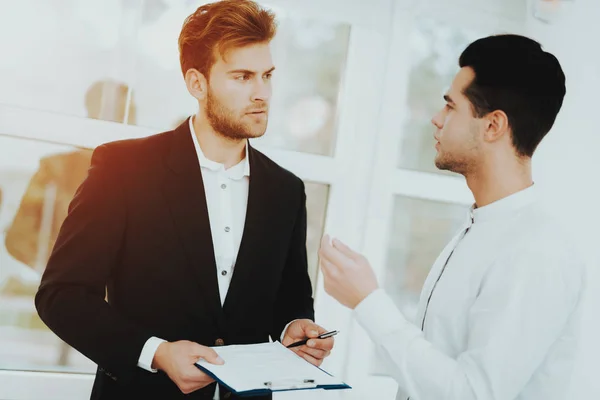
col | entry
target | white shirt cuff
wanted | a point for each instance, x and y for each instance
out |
(378, 315)
(285, 330)
(148, 351)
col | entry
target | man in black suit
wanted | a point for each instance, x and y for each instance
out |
(196, 238)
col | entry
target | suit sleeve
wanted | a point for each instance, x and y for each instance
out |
(71, 296)
(294, 298)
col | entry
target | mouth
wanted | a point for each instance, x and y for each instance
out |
(257, 112)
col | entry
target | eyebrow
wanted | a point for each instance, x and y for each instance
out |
(449, 99)
(247, 71)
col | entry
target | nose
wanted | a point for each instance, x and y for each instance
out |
(262, 90)
(438, 120)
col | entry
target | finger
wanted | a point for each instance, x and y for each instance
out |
(333, 255)
(287, 340)
(311, 330)
(320, 329)
(344, 249)
(297, 350)
(325, 240)
(315, 353)
(207, 353)
(310, 359)
(322, 344)
(330, 270)
(303, 328)
(300, 329)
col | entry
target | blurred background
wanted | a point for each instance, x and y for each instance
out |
(357, 83)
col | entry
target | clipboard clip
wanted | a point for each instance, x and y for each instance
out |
(287, 384)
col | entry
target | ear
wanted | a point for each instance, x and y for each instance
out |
(196, 83)
(496, 126)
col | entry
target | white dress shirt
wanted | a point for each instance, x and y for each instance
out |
(501, 313)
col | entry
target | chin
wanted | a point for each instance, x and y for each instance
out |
(442, 165)
(438, 162)
(253, 133)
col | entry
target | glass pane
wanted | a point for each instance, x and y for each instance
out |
(317, 195)
(434, 51)
(420, 230)
(77, 62)
(37, 182)
(310, 59)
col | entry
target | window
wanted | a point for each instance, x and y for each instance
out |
(61, 58)
(434, 51)
(37, 182)
(317, 195)
(420, 230)
(310, 58)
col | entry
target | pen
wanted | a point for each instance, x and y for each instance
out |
(321, 336)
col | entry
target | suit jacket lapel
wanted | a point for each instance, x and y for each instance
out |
(260, 216)
(184, 190)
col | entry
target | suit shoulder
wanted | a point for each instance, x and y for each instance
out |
(284, 174)
(134, 151)
(134, 145)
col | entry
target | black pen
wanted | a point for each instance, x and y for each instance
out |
(321, 336)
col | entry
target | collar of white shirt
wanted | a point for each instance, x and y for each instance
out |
(236, 172)
(504, 207)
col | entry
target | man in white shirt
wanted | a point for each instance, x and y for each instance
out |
(198, 238)
(499, 313)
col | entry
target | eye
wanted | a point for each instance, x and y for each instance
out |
(448, 107)
(268, 76)
(243, 77)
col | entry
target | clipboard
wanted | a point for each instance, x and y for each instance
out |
(259, 369)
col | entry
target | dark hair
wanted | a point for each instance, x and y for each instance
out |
(514, 74)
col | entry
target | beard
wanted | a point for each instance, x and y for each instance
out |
(459, 165)
(230, 124)
(464, 159)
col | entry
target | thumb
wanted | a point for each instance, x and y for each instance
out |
(208, 354)
(310, 328)
(302, 328)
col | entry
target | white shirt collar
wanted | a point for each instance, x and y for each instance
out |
(236, 172)
(504, 207)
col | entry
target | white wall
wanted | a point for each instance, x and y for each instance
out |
(567, 164)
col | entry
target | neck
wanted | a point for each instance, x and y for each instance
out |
(217, 147)
(499, 179)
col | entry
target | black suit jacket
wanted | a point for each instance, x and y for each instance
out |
(138, 228)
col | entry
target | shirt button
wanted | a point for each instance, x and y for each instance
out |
(227, 229)
(223, 272)
(223, 186)
(219, 342)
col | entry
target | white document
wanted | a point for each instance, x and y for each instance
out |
(267, 367)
